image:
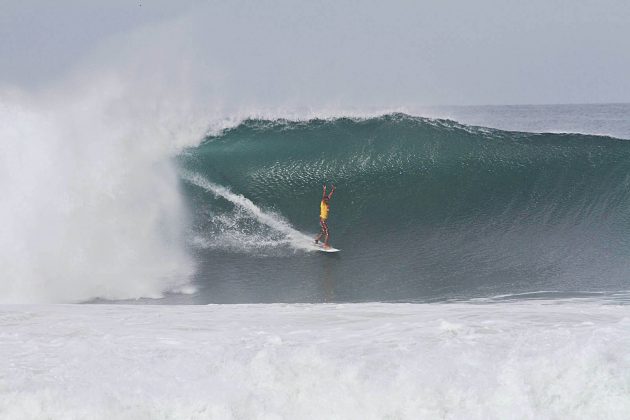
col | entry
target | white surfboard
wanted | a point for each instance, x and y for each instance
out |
(320, 247)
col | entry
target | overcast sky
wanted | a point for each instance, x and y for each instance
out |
(399, 53)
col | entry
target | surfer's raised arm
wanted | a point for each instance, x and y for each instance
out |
(324, 193)
(331, 191)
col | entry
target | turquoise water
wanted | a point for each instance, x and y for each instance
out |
(425, 209)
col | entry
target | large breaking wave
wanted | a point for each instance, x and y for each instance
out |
(426, 205)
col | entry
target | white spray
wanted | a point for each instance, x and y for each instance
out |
(90, 204)
(293, 237)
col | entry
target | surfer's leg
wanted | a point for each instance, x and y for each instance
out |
(326, 235)
(321, 230)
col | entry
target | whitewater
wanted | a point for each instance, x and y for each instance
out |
(296, 239)
(522, 359)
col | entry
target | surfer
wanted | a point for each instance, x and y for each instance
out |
(324, 208)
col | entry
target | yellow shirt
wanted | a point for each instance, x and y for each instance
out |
(323, 210)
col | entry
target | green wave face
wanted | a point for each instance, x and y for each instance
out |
(428, 202)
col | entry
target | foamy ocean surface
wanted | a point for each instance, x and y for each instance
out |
(522, 359)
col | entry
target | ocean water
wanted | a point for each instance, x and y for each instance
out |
(426, 209)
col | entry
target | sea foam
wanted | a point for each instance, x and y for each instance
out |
(524, 360)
